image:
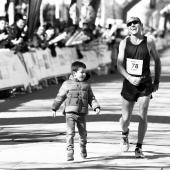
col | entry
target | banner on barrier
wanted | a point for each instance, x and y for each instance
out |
(103, 54)
(12, 71)
(101, 50)
(32, 67)
(90, 59)
(62, 62)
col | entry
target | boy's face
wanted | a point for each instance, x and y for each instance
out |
(80, 74)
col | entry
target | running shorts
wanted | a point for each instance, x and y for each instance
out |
(132, 93)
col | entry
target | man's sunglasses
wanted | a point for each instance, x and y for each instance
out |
(132, 22)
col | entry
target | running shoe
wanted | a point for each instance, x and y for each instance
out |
(139, 153)
(124, 142)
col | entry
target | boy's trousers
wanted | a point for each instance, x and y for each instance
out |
(80, 121)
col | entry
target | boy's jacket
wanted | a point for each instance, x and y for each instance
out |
(76, 96)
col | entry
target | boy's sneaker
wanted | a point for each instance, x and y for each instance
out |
(125, 142)
(138, 153)
(70, 156)
(83, 153)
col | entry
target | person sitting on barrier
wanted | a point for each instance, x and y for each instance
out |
(39, 38)
(4, 36)
(18, 34)
(76, 94)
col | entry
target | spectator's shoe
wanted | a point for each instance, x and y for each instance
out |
(83, 153)
(138, 153)
(70, 156)
(125, 142)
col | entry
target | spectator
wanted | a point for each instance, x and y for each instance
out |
(18, 34)
(150, 32)
(39, 38)
(111, 36)
(50, 35)
(4, 37)
(99, 29)
(69, 32)
(86, 30)
(95, 32)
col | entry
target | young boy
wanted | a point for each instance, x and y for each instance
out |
(76, 95)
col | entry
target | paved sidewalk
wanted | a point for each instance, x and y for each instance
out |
(30, 139)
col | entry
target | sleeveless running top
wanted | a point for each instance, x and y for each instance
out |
(139, 52)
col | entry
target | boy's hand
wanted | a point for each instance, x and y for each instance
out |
(54, 113)
(97, 111)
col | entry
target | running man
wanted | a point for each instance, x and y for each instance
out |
(133, 63)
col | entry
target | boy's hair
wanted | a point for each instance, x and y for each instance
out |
(76, 65)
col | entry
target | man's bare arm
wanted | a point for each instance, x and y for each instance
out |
(156, 58)
(120, 59)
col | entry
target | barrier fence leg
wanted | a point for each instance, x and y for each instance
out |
(28, 89)
(46, 82)
(56, 80)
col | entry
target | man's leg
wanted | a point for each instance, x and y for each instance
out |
(127, 108)
(143, 109)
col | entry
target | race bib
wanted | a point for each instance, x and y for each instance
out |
(134, 66)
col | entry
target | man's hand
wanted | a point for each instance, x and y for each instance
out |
(20, 40)
(3, 36)
(134, 80)
(53, 113)
(155, 87)
(14, 41)
(25, 28)
(97, 111)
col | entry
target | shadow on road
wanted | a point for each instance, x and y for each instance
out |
(90, 118)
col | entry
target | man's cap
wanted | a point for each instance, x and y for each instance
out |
(133, 19)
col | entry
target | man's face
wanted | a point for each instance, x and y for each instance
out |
(21, 23)
(134, 26)
(85, 27)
